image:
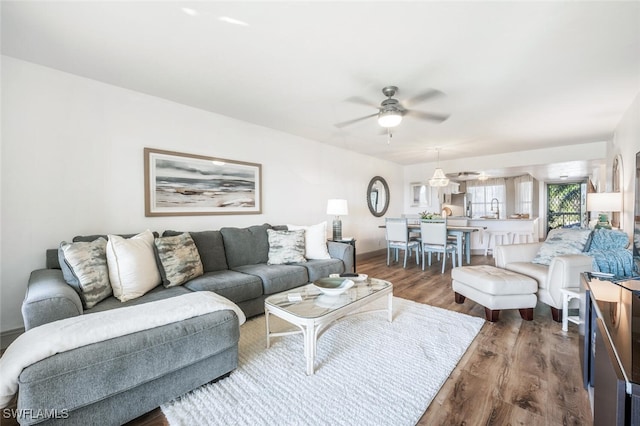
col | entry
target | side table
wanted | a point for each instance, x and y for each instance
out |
(568, 294)
(352, 242)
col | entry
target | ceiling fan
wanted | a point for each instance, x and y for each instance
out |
(463, 175)
(391, 111)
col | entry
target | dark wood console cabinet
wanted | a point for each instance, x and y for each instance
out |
(610, 355)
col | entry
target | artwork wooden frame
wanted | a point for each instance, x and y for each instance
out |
(179, 184)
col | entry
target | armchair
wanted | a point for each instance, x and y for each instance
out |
(563, 271)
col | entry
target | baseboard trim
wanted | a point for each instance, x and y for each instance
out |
(7, 337)
(370, 254)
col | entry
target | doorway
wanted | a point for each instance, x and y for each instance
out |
(566, 205)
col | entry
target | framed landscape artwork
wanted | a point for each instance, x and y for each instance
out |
(178, 184)
(420, 194)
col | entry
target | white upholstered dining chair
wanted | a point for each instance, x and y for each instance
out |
(433, 234)
(397, 234)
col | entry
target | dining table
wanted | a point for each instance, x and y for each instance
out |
(459, 231)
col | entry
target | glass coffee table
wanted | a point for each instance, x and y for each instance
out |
(313, 312)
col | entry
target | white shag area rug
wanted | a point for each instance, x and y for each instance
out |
(368, 372)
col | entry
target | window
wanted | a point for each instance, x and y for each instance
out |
(565, 205)
(482, 193)
(524, 195)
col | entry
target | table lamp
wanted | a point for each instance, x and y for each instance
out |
(337, 208)
(604, 202)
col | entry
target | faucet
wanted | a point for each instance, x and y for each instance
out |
(497, 210)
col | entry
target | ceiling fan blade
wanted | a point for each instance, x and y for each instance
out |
(421, 97)
(427, 116)
(355, 120)
(362, 101)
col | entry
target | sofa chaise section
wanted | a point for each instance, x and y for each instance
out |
(120, 379)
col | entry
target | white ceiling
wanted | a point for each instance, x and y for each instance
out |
(515, 75)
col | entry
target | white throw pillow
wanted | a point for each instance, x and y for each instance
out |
(315, 240)
(132, 265)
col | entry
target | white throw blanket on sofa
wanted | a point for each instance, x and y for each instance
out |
(70, 333)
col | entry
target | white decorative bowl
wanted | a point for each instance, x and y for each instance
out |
(333, 286)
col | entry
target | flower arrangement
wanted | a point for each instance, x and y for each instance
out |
(427, 215)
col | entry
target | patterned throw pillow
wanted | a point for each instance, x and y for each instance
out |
(179, 258)
(562, 241)
(286, 247)
(84, 267)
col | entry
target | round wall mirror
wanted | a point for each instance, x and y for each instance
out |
(378, 196)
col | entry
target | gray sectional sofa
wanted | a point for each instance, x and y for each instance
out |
(117, 380)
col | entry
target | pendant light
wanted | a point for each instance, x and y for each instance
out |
(438, 179)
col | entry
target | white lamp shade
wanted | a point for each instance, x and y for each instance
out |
(604, 202)
(337, 207)
(439, 179)
(389, 118)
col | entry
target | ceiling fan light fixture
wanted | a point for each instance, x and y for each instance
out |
(390, 118)
(439, 179)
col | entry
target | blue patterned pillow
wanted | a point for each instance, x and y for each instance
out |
(286, 247)
(562, 241)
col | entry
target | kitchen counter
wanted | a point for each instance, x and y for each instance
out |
(515, 226)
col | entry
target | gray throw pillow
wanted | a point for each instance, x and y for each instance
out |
(246, 246)
(84, 267)
(179, 258)
(286, 247)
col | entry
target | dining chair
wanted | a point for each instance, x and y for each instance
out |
(453, 238)
(397, 234)
(413, 219)
(434, 240)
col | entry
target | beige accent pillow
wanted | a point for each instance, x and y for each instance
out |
(132, 265)
(315, 240)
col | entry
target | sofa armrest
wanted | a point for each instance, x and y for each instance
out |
(49, 298)
(564, 272)
(343, 252)
(515, 253)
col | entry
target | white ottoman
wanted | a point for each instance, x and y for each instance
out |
(495, 289)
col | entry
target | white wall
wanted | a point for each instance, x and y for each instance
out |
(627, 143)
(72, 163)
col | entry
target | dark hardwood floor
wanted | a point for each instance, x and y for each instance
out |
(515, 372)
